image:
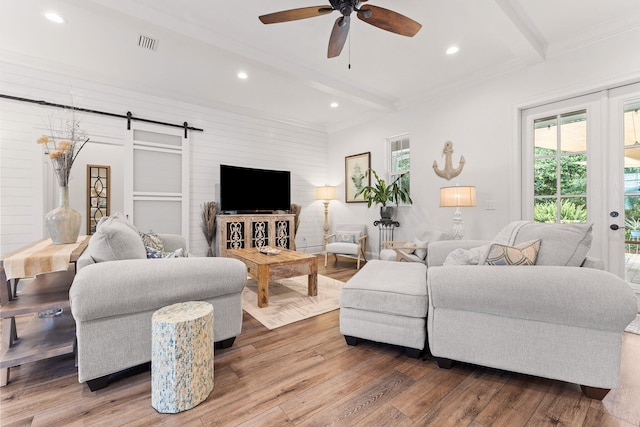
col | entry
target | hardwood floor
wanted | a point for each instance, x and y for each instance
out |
(305, 374)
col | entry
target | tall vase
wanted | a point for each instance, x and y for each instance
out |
(63, 222)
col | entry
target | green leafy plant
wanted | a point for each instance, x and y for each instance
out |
(569, 211)
(632, 223)
(382, 193)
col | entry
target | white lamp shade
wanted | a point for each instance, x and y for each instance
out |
(457, 197)
(326, 192)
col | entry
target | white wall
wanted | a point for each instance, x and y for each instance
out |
(227, 138)
(480, 119)
(482, 122)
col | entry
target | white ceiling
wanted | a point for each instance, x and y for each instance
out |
(202, 44)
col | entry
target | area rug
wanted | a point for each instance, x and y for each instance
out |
(289, 302)
(634, 327)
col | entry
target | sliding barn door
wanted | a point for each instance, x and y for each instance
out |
(157, 179)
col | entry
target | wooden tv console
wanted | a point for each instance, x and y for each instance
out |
(253, 230)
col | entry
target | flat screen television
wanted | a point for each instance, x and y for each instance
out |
(248, 190)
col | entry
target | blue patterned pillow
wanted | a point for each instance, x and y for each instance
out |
(343, 237)
(151, 241)
(155, 248)
(178, 253)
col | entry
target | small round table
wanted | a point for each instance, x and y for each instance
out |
(181, 356)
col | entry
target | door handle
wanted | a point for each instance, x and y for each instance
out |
(614, 227)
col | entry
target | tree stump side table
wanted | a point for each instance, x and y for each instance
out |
(181, 356)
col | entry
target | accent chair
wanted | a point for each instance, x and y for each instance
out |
(348, 240)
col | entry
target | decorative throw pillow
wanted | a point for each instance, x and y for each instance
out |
(421, 247)
(116, 239)
(523, 254)
(466, 256)
(151, 241)
(178, 253)
(344, 237)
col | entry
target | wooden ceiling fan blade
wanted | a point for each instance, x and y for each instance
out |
(295, 14)
(338, 36)
(389, 20)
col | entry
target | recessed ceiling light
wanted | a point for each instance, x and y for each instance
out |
(334, 105)
(452, 50)
(242, 75)
(54, 17)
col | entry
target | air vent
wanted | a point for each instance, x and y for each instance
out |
(147, 42)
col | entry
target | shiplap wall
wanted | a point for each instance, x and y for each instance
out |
(228, 138)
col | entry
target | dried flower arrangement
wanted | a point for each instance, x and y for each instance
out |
(63, 146)
(209, 211)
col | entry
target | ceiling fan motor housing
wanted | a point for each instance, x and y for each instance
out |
(345, 6)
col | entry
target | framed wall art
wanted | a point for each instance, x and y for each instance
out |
(356, 176)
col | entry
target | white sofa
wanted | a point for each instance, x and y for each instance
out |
(562, 318)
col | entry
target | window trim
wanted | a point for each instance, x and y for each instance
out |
(392, 176)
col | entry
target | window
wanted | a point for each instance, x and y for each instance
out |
(399, 160)
(560, 168)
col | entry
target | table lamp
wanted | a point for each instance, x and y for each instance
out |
(326, 193)
(458, 197)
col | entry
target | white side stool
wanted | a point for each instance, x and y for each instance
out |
(181, 356)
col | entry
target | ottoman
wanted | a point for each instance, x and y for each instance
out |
(181, 356)
(386, 302)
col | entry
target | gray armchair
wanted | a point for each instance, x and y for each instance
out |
(117, 289)
(348, 240)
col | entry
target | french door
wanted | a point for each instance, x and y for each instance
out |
(562, 164)
(624, 164)
(581, 163)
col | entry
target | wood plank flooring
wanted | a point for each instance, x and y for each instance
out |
(304, 374)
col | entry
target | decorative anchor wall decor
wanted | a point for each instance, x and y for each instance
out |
(448, 172)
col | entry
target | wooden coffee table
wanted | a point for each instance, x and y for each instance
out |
(264, 268)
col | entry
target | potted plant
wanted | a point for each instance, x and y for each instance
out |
(633, 224)
(382, 193)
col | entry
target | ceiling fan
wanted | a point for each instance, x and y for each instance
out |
(377, 16)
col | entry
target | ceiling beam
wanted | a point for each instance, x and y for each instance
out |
(519, 33)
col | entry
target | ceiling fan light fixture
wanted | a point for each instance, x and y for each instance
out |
(379, 17)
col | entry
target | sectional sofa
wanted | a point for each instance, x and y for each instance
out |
(484, 302)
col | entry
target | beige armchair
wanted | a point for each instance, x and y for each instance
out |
(348, 240)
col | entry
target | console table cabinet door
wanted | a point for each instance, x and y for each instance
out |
(249, 231)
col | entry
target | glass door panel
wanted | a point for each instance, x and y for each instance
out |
(560, 168)
(631, 141)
